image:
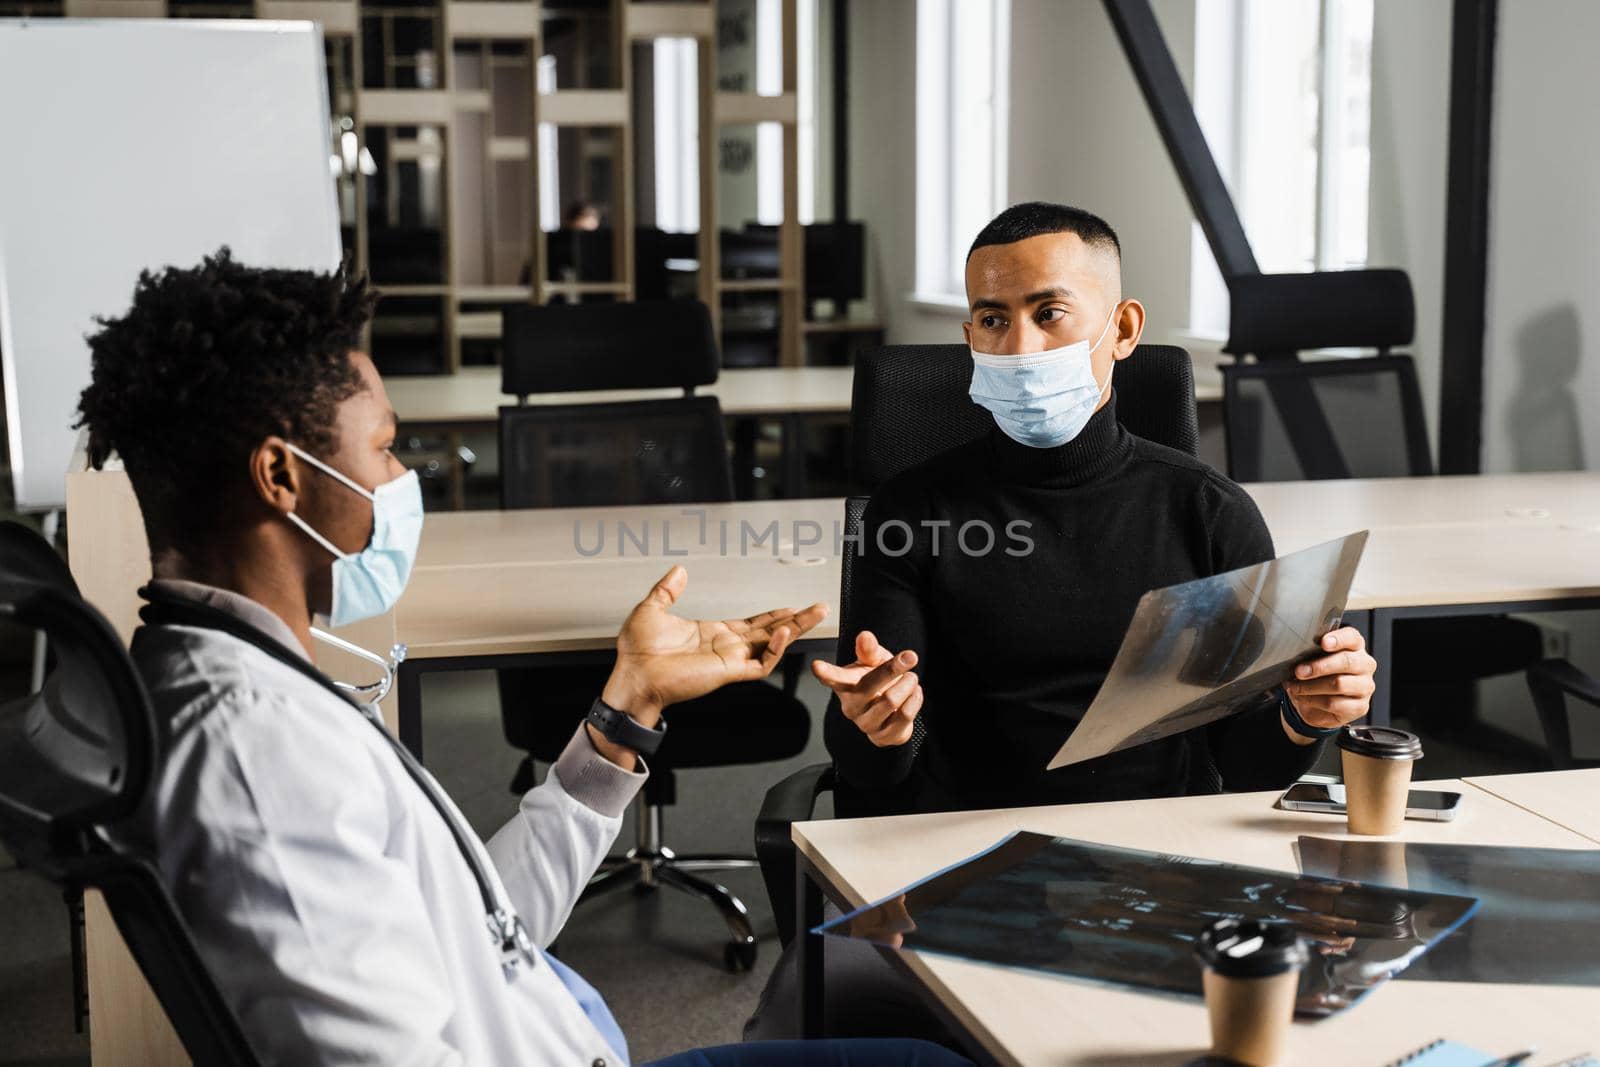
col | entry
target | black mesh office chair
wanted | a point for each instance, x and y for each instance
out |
(649, 344)
(1288, 420)
(77, 758)
(910, 404)
(651, 452)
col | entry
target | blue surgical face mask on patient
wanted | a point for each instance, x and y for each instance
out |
(368, 583)
(1043, 399)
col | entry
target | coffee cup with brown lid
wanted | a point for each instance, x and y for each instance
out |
(1377, 776)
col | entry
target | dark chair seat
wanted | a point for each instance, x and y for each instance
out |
(746, 722)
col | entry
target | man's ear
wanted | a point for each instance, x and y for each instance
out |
(1130, 325)
(274, 475)
(966, 333)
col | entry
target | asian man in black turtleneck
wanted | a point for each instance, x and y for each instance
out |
(1010, 645)
(972, 666)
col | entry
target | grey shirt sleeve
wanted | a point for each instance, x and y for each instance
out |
(594, 781)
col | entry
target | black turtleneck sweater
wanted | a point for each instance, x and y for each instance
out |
(1014, 647)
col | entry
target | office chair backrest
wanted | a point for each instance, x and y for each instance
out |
(910, 403)
(600, 455)
(78, 757)
(25, 552)
(1279, 315)
(651, 344)
(1338, 418)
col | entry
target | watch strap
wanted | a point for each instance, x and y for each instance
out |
(619, 728)
(1299, 725)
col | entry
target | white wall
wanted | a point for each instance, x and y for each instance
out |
(1542, 351)
(1080, 134)
(1410, 138)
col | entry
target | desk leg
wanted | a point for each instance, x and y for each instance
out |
(794, 456)
(1380, 642)
(745, 432)
(408, 691)
(808, 915)
(1361, 621)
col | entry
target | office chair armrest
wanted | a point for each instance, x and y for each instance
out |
(790, 801)
(1567, 678)
(1550, 681)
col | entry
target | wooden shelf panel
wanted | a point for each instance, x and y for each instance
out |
(731, 108)
(404, 107)
(339, 18)
(488, 21)
(755, 285)
(643, 21)
(510, 148)
(467, 294)
(116, 9)
(584, 107)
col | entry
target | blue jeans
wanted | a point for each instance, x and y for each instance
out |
(853, 1052)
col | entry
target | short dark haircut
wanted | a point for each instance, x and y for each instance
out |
(1035, 218)
(208, 362)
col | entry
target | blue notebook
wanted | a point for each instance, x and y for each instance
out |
(1444, 1053)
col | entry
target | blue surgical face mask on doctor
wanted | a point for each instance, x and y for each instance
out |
(1042, 399)
(369, 582)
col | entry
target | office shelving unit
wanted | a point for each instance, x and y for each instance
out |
(436, 115)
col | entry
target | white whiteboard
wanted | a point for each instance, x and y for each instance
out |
(136, 144)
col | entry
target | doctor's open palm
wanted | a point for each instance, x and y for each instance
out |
(665, 659)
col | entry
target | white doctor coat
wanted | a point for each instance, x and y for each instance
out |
(327, 894)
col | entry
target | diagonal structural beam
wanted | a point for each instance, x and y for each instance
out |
(1170, 106)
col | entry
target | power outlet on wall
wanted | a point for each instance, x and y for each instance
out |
(1555, 639)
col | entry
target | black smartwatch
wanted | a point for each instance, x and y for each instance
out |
(619, 728)
(1299, 725)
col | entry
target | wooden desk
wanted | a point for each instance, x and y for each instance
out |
(471, 400)
(1448, 546)
(1564, 797)
(1023, 1018)
(505, 588)
(472, 397)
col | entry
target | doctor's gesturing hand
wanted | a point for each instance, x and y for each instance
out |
(663, 659)
(879, 692)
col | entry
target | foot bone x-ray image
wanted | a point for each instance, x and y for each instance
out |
(1130, 918)
(1198, 652)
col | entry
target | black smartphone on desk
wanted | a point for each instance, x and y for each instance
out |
(1435, 805)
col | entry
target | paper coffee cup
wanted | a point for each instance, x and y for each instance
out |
(1251, 974)
(1377, 776)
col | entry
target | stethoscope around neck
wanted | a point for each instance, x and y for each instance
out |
(504, 925)
(372, 692)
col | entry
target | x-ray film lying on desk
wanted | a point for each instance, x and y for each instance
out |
(1539, 920)
(1130, 918)
(1198, 652)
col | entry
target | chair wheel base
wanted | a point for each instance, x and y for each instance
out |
(739, 957)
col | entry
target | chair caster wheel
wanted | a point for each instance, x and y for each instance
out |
(739, 957)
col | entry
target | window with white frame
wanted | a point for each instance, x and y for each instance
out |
(677, 121)
(676, 65)
(1283, 91)
(549, 153)
(963, 63)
